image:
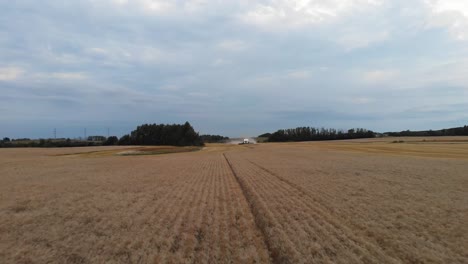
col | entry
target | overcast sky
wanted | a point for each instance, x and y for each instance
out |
(235, 68)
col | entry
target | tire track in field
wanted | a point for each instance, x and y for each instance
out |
(258, 223)
(326, 218)
(323, 223)
(210, 221)
(423, 241)
(290, 202)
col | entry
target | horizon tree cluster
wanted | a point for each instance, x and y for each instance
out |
(313, 134)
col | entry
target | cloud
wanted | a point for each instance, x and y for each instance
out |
(216, 62)
(440, 6)
(54, 76)
(148, 6)
(286, 14)
(69, 75)
(451, 14)
(355, 39)
(232, 45)
(10, 73)
(379, 76)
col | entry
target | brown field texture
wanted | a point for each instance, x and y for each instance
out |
(391, 200)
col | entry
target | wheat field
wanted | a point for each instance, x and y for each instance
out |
(386, 200)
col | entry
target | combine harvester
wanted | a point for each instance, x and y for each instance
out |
(246, 141)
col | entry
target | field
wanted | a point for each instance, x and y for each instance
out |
(391, 200)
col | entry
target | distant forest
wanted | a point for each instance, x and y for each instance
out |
(456, 131)
(313, 134)
(185, 135)
(213, 138)
(147, 134)
(154, 134)
(46, 143)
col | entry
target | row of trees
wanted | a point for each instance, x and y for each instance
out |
(213, 138)
(312, 134)
(46, 143)
(147, 134)
(456, 131)
(154, 134)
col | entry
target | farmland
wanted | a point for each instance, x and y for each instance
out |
(392, 200)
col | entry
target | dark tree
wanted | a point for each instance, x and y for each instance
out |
(110, 141)
(125, 140)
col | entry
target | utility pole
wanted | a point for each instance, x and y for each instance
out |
(55, 133)
(108, 132)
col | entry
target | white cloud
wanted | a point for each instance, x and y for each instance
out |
(287, 14)
(157, 5)
(119, 2)
(10, 73)
(148, 6)
(115, 54)
(452, 14)
(15, 73)
(64, 76)
(167, 7)
(69, 75)
(460, 6)
(355, 39)
(163, 50)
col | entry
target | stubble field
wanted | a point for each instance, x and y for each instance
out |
(399, 200)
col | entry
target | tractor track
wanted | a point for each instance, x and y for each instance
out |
(281, 201)
(274, 258)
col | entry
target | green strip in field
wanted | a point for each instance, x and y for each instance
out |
(157, 151)
(134, 151)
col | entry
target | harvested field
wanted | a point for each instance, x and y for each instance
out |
(358, 201)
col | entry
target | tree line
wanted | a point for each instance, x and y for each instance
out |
(46, 143)
(213, 138)
(313, 134)
(456, 131)
(147, 134)
(154, 134)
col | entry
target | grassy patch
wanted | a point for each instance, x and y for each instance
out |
(157, 151)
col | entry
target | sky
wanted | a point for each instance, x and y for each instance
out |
(235, 68)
